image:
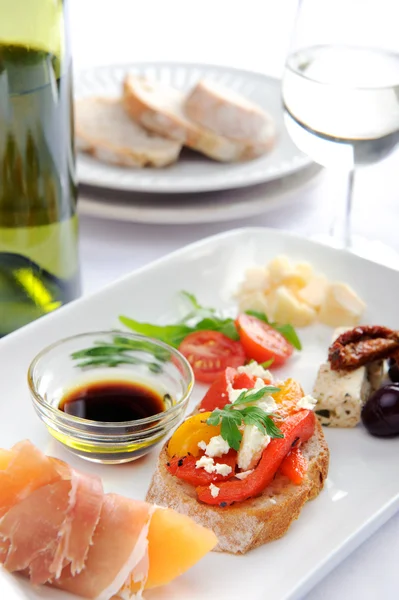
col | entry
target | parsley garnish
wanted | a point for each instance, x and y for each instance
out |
(232, 416)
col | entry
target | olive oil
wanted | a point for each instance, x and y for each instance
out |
(39, 265)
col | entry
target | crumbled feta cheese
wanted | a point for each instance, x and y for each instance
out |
(259, 384)
(268, 404)
(255, 370)
(217, 446)
(207, 463)
(234, 394)
(222, 469)
(273, 500)
(307, 402)
(244, 474)
(202, 445)
(252, 444)
(214, 490)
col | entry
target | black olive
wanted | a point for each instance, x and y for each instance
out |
(393, 371)
(380, 414)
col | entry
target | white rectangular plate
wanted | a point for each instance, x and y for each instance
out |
(362, 490)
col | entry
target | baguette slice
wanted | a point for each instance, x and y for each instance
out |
(227, 113)
(105, 130)
(160, 108)
(256, 521)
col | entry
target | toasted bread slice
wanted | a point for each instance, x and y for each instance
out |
(249, 524)
(227, 113)
(160, 108)
(105, 130)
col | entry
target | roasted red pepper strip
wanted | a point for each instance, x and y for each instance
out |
(185, 469)
(298, 427)
(217, 395)
(294, 466)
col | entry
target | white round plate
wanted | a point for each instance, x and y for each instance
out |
(210, 207)
(193, 172)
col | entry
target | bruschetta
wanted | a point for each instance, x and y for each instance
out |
(246, 461)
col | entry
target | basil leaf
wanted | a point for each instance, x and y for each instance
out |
(290, 334)
(267, 364)
(170, 334)
(259, 315)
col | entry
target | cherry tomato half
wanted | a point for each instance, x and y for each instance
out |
(210, 353)
(261, 342)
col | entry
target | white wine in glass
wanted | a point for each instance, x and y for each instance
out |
(340, 88)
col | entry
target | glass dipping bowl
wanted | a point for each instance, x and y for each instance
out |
(55, 373)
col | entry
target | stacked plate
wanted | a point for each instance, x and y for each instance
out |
(195, 189)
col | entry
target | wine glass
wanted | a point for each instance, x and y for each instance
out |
(340, 92)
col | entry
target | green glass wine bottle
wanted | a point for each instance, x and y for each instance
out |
(39, 262)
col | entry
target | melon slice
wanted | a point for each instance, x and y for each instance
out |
(190, 543)
(5, 458)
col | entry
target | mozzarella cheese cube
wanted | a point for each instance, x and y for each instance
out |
(254, 301)
(288, 309)
(340, 395)
(304, 272)
(314, 292)
(280, 269)
(256, 279)
(252, 445)
(341, 306)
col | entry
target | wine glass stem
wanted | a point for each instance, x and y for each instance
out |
(341, 226)
(348, 210)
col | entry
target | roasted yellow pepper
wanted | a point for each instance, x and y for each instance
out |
(193, 430)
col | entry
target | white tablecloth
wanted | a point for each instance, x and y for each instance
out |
(118, 31)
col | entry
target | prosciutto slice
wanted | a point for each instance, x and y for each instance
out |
(53, 525)
(25, 470)
(119, 545)
(76, 533)
(58, 527)
(31, 527)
